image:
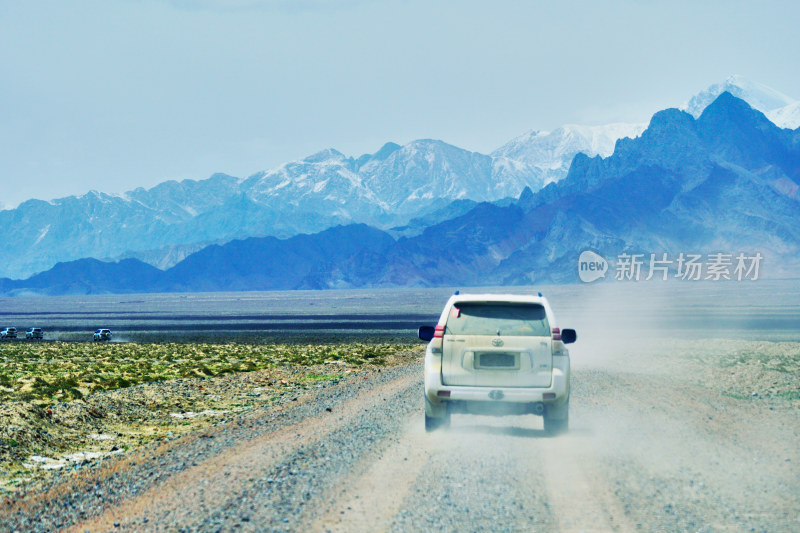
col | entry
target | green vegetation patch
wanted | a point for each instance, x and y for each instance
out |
(750, 370)
(739, 369)
(774, 356)
(60, 398)
(60, 371)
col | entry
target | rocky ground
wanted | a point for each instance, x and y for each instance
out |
(41, 436)
(676, 437)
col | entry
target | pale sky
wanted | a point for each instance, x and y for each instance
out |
(115, 94)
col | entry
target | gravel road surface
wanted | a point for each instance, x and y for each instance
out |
(647, 451)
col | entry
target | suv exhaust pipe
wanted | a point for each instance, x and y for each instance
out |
(537, 408)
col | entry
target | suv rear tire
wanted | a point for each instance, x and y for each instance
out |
(433, 423)
(556, 419)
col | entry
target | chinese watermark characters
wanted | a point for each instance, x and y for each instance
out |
(684, 266)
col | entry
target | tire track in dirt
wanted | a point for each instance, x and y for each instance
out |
(370, 501)
(644, 452)
(577, 499)
(210, 484)
(481, 474)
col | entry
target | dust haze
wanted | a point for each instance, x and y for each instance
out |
(674, 423)
(683, 417)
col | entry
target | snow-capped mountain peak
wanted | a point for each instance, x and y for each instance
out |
(325, 155)
(601, 139)
(429, 170)
(553, 151)
(758, 95)
(787, 116)
(385, 189)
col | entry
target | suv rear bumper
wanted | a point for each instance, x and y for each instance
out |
(557, 392)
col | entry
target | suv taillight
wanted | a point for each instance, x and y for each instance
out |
(557, 345)
(438, 332)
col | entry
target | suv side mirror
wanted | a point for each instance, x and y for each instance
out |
(426, 332)
(568, 336)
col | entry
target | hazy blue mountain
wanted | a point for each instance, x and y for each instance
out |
(413, 177)
(726, 181)
(552, 152)
(88, 276)
(42, 234)
(337, 257)
(757, 95)
(433, 216)
(163, 258)
(160, 225)
(392, 185)
(387, 189)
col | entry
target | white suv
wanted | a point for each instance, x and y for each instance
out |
(497, 354)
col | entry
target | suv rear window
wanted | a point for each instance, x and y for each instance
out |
(509, 319)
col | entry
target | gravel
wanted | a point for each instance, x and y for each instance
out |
(647, 451)
(291, 483)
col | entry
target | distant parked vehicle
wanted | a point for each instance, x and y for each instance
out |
(8, 333)
(102, 335)
(34, 334)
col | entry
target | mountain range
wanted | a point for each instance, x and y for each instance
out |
(166, 223)
(726, 181)
(398, 189)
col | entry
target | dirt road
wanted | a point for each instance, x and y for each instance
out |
(647, 451)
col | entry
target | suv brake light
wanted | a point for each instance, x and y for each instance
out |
(556, 334)
(438, 333)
